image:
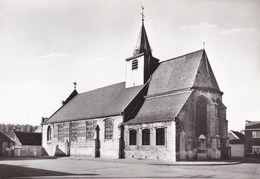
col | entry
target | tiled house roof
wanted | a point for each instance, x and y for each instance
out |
(27, 138)
(252, 124)
(236, 138)
(102, 102)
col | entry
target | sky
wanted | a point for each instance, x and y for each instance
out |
(46, 45)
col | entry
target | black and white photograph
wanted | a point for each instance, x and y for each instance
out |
(130, 89)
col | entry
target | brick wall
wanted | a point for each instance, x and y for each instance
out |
(152, 151)
(82, 146)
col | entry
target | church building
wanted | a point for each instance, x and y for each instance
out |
(169, 110)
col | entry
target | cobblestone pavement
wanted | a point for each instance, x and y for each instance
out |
(124, 168)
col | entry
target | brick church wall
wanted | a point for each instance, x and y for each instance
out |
(81, 146)
(152, 151)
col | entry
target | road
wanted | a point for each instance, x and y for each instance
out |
(124, 168)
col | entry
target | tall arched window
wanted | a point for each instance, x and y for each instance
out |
(109, 129)
(134, 64)
(49, 133)
(89, 131)
(201, 117)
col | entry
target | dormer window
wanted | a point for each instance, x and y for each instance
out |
(134, 64)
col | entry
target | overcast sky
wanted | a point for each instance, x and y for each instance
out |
(46, 45)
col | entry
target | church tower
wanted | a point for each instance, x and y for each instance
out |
(142, 64)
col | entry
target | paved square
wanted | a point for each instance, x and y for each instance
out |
(124, 168)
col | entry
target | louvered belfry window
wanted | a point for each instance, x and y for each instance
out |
(146, 137)
(109, 129)
(160, 136)
(132, 137)
(134, 64)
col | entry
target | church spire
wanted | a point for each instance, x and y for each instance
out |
(142, 45)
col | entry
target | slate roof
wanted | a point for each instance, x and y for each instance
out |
(4, 138)
(180, 72)
(102, 102)
(171, 85)
(176, 73)
(161, 108)
(27, 138)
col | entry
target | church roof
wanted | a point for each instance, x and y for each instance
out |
(102, 102)
(161, 108)
(181, 72)
(171, 85)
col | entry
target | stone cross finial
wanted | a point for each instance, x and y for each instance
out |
(75, 85)
(142, 14)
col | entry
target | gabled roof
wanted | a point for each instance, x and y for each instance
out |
(4, 138)
(102, 102)
(161, 108)
(190, 70)
(237, 138)
(27, 138)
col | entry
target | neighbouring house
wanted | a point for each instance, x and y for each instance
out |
(236, 143)
(26, 144)
(252, 139)
(6, 145)
(170, 110)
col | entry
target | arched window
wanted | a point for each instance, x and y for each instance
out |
(49, 133)
(60, 132)
(109, 129)
(134, 64)
(160, 136)
(146, 137)
(89, 130)
(73, 131)
(201, 117)
(132, 137)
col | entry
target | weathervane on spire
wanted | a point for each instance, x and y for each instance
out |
(204, 45)
(75, 85)
(142, 14)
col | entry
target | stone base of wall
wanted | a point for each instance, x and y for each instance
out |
(151, 155)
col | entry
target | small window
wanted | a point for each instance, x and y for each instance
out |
(108, 129)
(132, 137)
(134, 64)
(160, 136)
(256, 134)
(89, 130)
(256, 149)
(60, 132)
(146, 137)
(49, 133)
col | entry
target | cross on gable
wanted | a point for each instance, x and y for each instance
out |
(75, 85)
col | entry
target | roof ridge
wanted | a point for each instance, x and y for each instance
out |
(182, 56)
(101, 87)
